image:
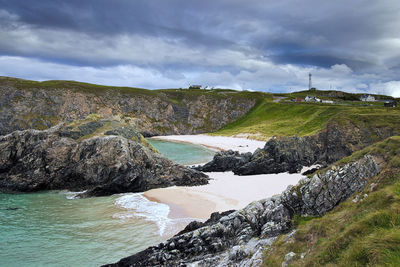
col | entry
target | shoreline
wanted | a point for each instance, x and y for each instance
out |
(217, 143)
(225, 191)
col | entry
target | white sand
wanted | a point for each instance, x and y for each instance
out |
(217, 142)
(226, 191)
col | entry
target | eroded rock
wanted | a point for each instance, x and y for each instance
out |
(34, 160)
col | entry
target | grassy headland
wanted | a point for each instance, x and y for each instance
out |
(363, 232)
(268, 118)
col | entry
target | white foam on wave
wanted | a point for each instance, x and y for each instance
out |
(72, 195)
(140, 207)
(137, 206)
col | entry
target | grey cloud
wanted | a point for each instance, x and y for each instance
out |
(274, 42)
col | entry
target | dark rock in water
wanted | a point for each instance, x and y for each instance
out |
(237, 238)
(12, 208)
(34, 160)
(225, 161)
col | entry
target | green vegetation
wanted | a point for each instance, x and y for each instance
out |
(268, 118)
(361, 233)
(175, 96)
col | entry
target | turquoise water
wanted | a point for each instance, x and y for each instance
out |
(183, 153)
(52, 229)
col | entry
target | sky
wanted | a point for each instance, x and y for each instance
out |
(271, 46)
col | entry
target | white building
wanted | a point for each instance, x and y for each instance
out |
(312, 99)
(368, 98)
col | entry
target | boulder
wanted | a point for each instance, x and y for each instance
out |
(33, 160)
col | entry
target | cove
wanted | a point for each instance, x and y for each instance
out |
(53, 229)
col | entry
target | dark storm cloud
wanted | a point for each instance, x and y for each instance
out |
(231, 38)
(287, 30)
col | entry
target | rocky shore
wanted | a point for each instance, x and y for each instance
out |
(290, 154)
(238, 238)
(66, 157)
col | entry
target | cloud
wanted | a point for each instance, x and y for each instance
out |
(263, 45)
(391, 88)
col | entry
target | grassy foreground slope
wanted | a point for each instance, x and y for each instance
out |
(363, 232)
(268, 118)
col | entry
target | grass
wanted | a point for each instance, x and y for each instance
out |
(174, 96)
(267, 118)
(365, 233)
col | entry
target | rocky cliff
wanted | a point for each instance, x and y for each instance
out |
(238, 238)
(40, 105)
(289, 154)
(115, 160)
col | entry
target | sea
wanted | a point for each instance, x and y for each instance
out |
(54, 228)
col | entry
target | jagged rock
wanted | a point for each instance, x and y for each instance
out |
(34, 160)
(324, 191)
(215, 216)
(225, 161)
(151, 112)
(232, 238)
(290, 154)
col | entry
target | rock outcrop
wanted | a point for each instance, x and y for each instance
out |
(238, 238)
(33, 160)
(33, 105)
(290, 154)
(225, 161)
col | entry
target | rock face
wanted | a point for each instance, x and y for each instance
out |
(290, 154)
(32, 105)
(33, 160)
(225, 161)
(237, 239)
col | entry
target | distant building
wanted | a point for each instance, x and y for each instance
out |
(327, 101)
(390, 104)
(312, 99)
(299, 99)
(368, 98)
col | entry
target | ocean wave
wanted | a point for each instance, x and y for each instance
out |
(137, 206)
(72, 195)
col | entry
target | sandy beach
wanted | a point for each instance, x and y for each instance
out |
(217, 142)
(225, 191)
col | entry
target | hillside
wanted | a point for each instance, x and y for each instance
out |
(39, 105)
(286, 118)
(28, 104)
(362, 231)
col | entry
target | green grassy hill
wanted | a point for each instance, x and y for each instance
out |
(268, 118)
(273, 114)
(365, 232)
